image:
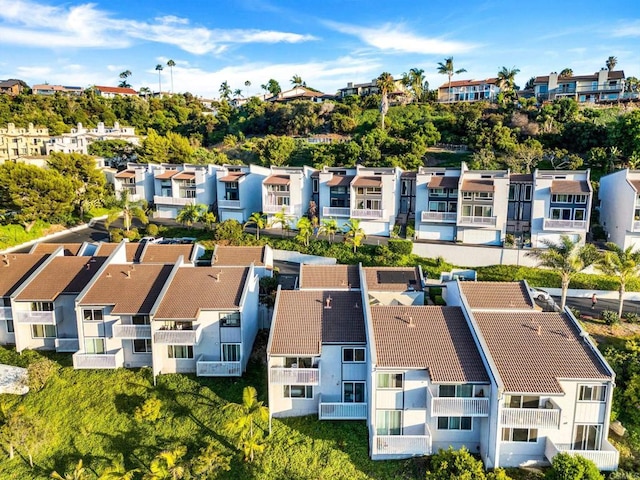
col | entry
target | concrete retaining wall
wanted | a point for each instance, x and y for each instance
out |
(601, 294)
(474, 255)
(297, 257)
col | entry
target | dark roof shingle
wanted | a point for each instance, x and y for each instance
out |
(238, 256)
(329, 276)
(497, 295)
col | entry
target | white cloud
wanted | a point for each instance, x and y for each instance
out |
(397, 38)
(631, 29)
(29, 23)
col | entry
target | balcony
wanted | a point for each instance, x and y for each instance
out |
(342, 411)
(606, 458)
(5, 313)
(445, 217)
(131, 331)
(160, 200)
(98, 360)
(178, 337)
(531, 417)
(207, 368)
(229, 204)
(478, 221)
(567, 225)
(636, 226)
(272, 208)
(367, 214)
(295, 376)
(402, 445)
(67, 345)
(458, 406)
(32, 317)
(336, 211)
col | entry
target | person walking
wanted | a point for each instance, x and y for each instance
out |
(594, 301)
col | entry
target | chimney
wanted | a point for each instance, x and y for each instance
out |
(5, 259)
(108, 274)
(553, 81)
(539, 330)
(218, 276)
(603, 76)
(127, 274)
(328, 303)
(356, 306)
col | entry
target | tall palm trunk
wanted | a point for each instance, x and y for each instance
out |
(450, 75)
(621, 299)
(565, 286)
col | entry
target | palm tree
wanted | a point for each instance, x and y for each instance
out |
(386, 85)
(353, 233)
(329, 228)
(446, 68)
(78, 473)
(117, 471)
(210, 461)
(565, 73)
(168, 465)
(250, 411)
(281, 219)
(507, 80)
(565, 257)
(257, 219)
(622, 264)
(296, 81)
(146, 91)
(159, 68)
(305, 230)
(247, 84)
(208, 219)
(237, 93)
(124, 75)
(611, 63)
(530, 83)
(190, 214)
(416, 82)
(225, 90)
(130, 210)
(171, 64)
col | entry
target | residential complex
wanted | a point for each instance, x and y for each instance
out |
(602, 86)
(489, 371)
(46, 89)
(469, 91)
(16, 142)
(81, 137)
(620, 207)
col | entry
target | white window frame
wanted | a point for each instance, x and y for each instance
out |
(594, 392)
(393, 378)
(296, 362)
(455, 423)
(40, 306)
(147, 346)
(584, 214)
(532, 435)
(437, 192)
(91, 345)
(307, 391)
(35, 334)
(467, 195)
(227, 348)
(353, 392)
(387, 431)
(483, 195)
(353, 354)
(92, 314)
(226, 319)
(584, 442)
(186, 349)
(520, 400)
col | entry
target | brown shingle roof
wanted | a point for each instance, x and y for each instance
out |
(367, 182)
(477, 186)
(497, 295)
(277, 180)
(521, 177)
(470, 83)
(167, 174)
(126, 174)
(329, 276)
(340, 181)
(118, 90)
(392, 279)
(569, 186)
(196, 288)
(635, 184)
(159, 253)
(238, 256)
(232, 177)
(435, 338)
(104, 249)
(15, 268)
(63, 275)
(185, 176)
(302, 323)
(443, 182)
(529, 362)
(70, 249)
(131, 289)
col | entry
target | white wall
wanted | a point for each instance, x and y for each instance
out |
(617, 203)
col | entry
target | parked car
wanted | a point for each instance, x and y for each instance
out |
(540, 295)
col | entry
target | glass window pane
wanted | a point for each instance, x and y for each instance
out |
(530, 402)
(454, 423)
(447, 391)
(464, 391)
(465, 423)
(443, 423)
(520, 435)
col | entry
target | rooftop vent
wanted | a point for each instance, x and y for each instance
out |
(327, 304)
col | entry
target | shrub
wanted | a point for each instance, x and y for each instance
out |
(631, 317)
(610, 317)
(576, 312)
(231, 231)
(574, 467)
(132, 234)
(149, 411)
(438, 300)
(116, 235)
(39, 372)
(410, 232)
(401, 247)
(152, 230)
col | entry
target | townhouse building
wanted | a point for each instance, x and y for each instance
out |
(137, 180)
(469, 91)
(239, 191)
(81, 137)
(16, 142)
(619, 196)
(46, 89)
(112, 92)
(178, 185)
(370, 88)
(231, 256)
(287, 190)
(602, 86)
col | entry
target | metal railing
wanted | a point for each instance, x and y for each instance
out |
(229, 204)
(207, 368)
(40, 318)
(5, 313)
(438, 216)
(160, 200)
(336, 211)
(530, 417)
(368, 214)
(342, 411)
(67, 345)
(481, 221)
(98, 360)
(607, 458)
(550, 224)
(271, 208)
(178, 337)
(458, 406)
(131, 331)
(402, 445)
(295, 376)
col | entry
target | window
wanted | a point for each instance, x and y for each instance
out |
(592, 393)
(437, 192)
(528, 190)
(561, 214)
(230, 352)
(437, 206)
(338, 191)
(578, 214)
(465, 391)
(94, 346)
(92, 315)
(298, 391)
(484, 195)
(587, 437)
(142, 346)
(314, 183)
(513, 191)
(298, 362)
(353, 355)
(140, 320)
(454, 423)
(353, 392)
(388, 422)
(522, 401)
(389, 380)
(10, 328)
(467, 195)
(42, 306)
(177, 326)
(231, 195)
(528, 435)
(580, 199)
(43, 331)
(232, 185)
(180, 351)
(229, 319)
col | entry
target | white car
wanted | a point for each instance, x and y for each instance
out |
(541, 295)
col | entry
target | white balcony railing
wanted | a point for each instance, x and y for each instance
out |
(550, 224)
(402, 445)
(5, 313)
(229, 204)
(295, 376)
(98, 360)
(134, 197)
(40, 318)
(178, 337)
(271, 208)
(342, 411)
(530, 417)
(636, 226)
(206, 368)
(160, 200)
(478, 221)
(368, 214)
(67, 345)
(606, 458)
(131, 331)
(438, 217)
(336, 211)
(458, 406)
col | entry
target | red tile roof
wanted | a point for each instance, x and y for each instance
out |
(329, 276)
(367, 182)
(425, 337)
(277, 180)
(302, 321)
(160, 253)
(477, 186)
(70, 249)
(441, 181)
(232, 177)
(117, 90)
(126, 174)
(497, 295)
(185, 176)
(167, 174)
(238, 256)
(570, 187)
(393, 279)
(340, 180)
(15, 268)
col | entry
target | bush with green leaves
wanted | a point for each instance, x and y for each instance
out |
(631, 317)
(152, 230)
(116, 234)
(400, 247)
(565, 466)
(39, 372)
(460, 464)
(610, 317)
(149, 411)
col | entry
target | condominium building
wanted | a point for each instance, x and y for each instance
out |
(16, 142)
(602, 86)
(469, 90)
(178, 185)
(46, 89)
(620, 207)
(137, 180)
(239, 191)
(287, 190)
(81, 137)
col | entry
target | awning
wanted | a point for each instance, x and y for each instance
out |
(443, 182)
(167, 175)
(340, 181)
(126, 174)
(185, 176)
(367, 182)
(277, 180)
(570, 187)
(232, 177)
(477, 186)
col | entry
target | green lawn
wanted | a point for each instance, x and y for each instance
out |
(90, 415)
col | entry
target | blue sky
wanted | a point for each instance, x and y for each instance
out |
(327, 42)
